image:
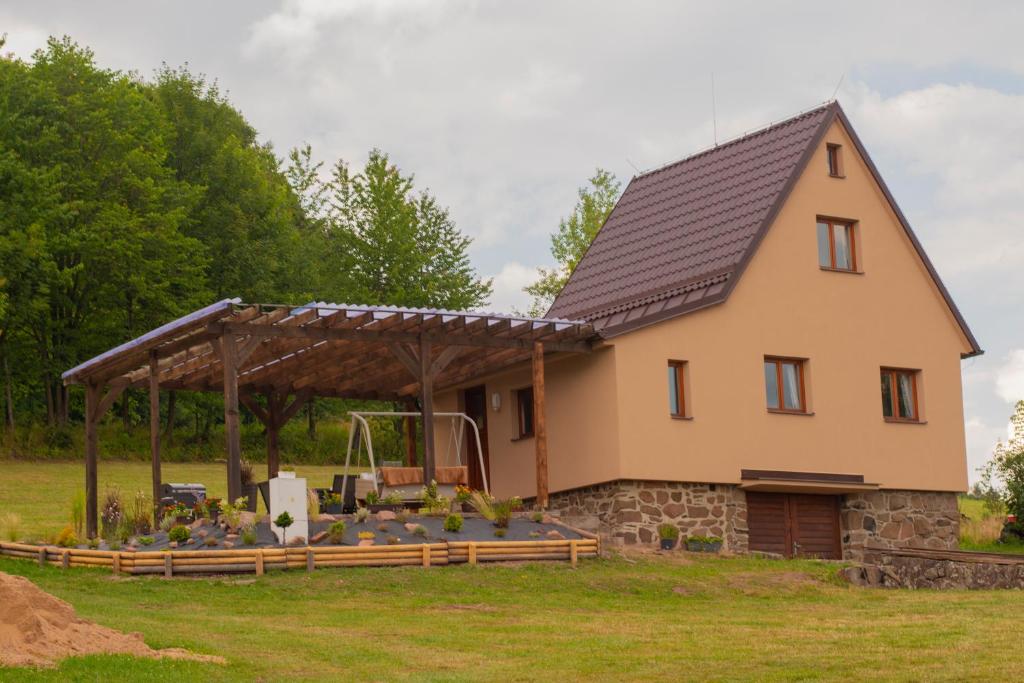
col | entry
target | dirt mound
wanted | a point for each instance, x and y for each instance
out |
(37, 629)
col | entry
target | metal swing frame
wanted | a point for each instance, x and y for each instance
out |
(358, 417)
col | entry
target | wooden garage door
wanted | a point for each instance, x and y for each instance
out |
(793, 524)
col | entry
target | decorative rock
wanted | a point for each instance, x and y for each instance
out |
(385, 516)
(231, 537)
(173, 544)
(366, 541)
(317, 537)
(555, 535)
(327, 517)
(203, 533)
(410, 527)
(548, 519)
(247, 517)
(228, 544)
(297, 540)
(197, 523)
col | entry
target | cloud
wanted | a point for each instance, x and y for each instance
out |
(1010, 377)
(508, 287)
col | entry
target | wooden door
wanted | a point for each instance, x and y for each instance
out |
(475, 406)
(794, 524)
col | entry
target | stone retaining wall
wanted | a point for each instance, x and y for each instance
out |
(898, 519)
(909, 568)
(629, 512)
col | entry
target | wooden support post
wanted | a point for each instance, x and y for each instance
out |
(65, 559)
(427, 399)
(273, 425)
(472, 553)
(42, 557)
(259, 562)
(540, 427)
(426, 555)
(310, 560)
(92, 400)
(573, 553)
(410, 435)
(115, 561)
(168, 566)
(229, 355)
(154, 431)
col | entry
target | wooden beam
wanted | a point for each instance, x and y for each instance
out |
(301, 399)
(540, 428)
(405, 337)
(444, 358)
(427, 401)
(407, 358)
(229, 354)
(92, 397)
(154, 431)
(249, 401)
(115, 391)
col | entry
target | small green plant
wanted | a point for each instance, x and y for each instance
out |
(481, 502)
(145, 540)
(139, 514)
(500, 532)
(232, 512)
(332, 498)
(420, 530)
(362, 514)
(167, 522)
(392, 540)
(248, 535)
(10, 526)
(67, 538)
(210, 541)
(668, 532)
(707, 540)
(392, 498)
(336, 532)
(503, 510)
(402, 516)
(111, 513)
(453, 523)
(93, 543)
(535, 534)
(78, 513)
(179, 533)
(537, 516)
(283, 521)
(372, 497)
(114, 544)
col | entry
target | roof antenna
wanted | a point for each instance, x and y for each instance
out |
(714, 114)
(834, 92)
(633, 165)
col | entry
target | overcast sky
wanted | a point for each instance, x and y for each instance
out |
(503, 109)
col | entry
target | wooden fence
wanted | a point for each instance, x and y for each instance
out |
(260, 560)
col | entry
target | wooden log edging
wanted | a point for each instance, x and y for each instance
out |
(308, 558)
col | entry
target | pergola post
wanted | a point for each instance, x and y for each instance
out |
(92, 400)
(229, 358)
(154, 431)
(410, 434)
(427, 400)
(540, 428)
(273, 427)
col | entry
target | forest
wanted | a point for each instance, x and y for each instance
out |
(127, 201)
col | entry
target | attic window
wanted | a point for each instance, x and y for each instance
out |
(837, 245)
(835, 161)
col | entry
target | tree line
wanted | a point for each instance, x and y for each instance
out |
(128, 201)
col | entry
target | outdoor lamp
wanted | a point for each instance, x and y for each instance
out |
(496, 401)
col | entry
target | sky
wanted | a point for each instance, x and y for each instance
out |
(503, 109)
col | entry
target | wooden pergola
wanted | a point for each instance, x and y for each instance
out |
(290, 354)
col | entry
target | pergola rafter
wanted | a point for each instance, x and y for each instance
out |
(273, 359)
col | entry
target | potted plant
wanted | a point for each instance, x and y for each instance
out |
(248, 486)
(331, 503)
(669, 535)
(392, 502)
(463, 494)
(703, 544)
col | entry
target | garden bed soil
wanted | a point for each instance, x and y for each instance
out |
(474, 528)
(37, 629)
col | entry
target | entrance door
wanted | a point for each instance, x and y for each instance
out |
(794, 524)
(475, 401)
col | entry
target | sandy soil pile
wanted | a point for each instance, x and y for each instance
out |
(37, 629)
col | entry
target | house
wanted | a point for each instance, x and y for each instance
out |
(779, 362)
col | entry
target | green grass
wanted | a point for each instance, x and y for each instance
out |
(649, 619)
(980, 530)
(40, 493)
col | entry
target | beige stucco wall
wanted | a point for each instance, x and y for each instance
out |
(608, 412)
(847, 325)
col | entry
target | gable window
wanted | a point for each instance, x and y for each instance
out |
(784, 385)
(678, 405)
(524, 413)
(899, 395)
(837, 246)
(835, 161)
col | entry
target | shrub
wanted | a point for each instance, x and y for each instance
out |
(283, 521)
(167, 522)
(312, 505)
(668, 532)
(420, 530)
(402, 516)
(372, 497)
(453, 523)
(78, 513)
(537, 516)
(114, 544)
(93, 543)
(67, 538)
(10, 526)
(362, 514)
(481, 502)
(179, 533)
(248, 536)
(503, 510)
(145, 540)
(336, 532)
(232, 512)
(111, 512)
(392, 499)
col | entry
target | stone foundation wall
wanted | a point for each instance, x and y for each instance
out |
(908, 568)
(629, 512)
(899, 519)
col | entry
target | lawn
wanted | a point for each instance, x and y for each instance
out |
(641, 617)
(40, 493)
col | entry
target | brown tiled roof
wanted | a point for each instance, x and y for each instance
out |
(680, 235)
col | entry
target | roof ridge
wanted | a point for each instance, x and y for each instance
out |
(739, 138)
